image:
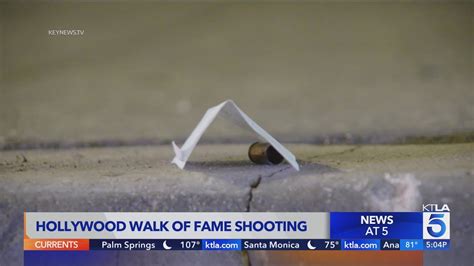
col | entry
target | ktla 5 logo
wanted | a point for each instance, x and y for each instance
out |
(436, 225)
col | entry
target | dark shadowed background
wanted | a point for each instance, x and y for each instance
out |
(303, 70)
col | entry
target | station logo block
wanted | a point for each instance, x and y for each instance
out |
(436, 221)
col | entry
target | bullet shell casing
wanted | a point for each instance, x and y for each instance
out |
(264, 153)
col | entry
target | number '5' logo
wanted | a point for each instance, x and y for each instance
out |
(436, 219)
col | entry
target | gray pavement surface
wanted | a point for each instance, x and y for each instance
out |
(221, 178)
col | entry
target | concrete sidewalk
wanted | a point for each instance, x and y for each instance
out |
(221, 178)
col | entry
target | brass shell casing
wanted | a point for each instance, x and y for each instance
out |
(264, 153)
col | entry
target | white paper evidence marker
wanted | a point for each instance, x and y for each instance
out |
(230, 111)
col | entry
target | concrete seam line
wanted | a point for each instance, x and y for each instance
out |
(254, 185)
(339, 153)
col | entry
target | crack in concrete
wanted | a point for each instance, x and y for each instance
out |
(253, 186)
(246, 261)
(338, 153)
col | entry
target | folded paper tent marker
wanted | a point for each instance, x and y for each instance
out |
(228, 110)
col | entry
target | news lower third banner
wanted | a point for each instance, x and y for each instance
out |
(84, 231)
